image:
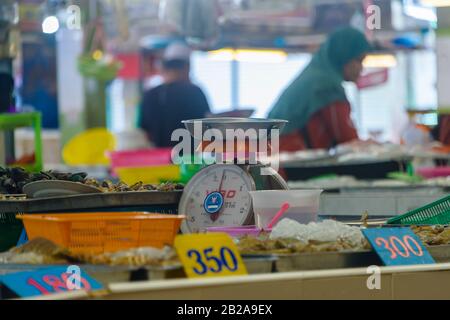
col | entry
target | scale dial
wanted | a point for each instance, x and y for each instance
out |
(217, 196)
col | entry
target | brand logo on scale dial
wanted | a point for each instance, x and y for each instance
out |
(214, 202)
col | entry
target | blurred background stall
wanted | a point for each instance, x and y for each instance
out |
(86, 65)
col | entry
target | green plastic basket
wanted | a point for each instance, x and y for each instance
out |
(435, 213)
(10, 230)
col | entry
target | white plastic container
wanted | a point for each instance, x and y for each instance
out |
(304, 205)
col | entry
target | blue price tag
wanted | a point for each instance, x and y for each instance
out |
(398, 246)
(45, 281)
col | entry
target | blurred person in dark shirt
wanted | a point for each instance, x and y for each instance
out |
(177, 99)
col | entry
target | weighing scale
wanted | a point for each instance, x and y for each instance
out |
(218, 195)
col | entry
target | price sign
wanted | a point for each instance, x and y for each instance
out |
(209, 255)
(398, 246)
(47, 281)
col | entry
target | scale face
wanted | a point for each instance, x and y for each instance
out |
(217, 196)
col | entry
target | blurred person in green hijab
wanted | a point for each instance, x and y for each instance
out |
(315, 104)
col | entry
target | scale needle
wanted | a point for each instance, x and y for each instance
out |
(215, 216)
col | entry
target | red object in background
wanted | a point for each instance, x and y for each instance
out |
(373, 79)
(131, 66)
(138, 65)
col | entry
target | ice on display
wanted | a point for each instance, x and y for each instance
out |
(326, 231)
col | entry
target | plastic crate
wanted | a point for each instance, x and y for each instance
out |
(10, 230)
(435, 213)
(93, 233)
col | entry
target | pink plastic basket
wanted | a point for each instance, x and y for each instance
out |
(437, 172)
(239, 232)
(141, 158)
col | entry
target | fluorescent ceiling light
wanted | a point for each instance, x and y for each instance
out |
(247, 55)
(427, 14)
(380, 61)
(420, 10)
(436, 3)
(50, 25)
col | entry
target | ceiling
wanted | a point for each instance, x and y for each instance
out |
(287, 24)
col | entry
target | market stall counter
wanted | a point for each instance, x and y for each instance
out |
(396, 283)
(411, 282)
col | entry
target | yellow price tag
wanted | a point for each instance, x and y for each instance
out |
(209, 255)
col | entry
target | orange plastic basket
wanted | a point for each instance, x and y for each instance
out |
(104, 232)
